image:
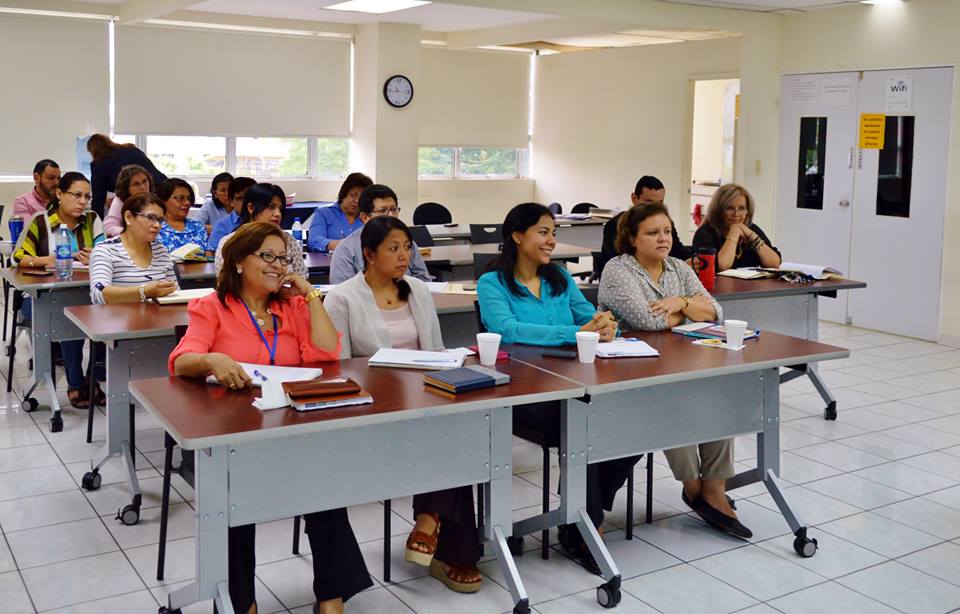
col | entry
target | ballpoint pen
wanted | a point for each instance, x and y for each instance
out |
(260, 375)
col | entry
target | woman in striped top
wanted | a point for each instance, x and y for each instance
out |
(133, 266)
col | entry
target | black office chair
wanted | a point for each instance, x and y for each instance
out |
(555, 208)
(481, 264)
(431, 213)
(421, 236)
(583, 208)
(486, 233)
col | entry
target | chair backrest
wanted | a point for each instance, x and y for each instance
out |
(421, 236)
(431, 213)
(555, 208)
(179, 331)
(486, 233)
(598, 263)
(591, 293)
(583, 208)
(481, 262)
(476, 309)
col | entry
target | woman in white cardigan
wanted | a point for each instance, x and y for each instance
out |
(382, 307)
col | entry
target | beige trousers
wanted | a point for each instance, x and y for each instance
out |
(711, 461)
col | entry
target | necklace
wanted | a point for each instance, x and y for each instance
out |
(261, 320)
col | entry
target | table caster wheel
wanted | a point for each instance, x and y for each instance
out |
(56, 424)
(129, 515)
(830, 412)
(805, 546)
(29, 404)
(516, 545)
(91, 480)
(608, 594)
(522, 607)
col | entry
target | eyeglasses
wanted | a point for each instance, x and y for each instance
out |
(150, 217)
(270, 257)
(80, 195)
(182, 198)
(388, 211)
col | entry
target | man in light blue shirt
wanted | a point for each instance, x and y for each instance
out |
(330, 225)
(348, 259)
(236, 190)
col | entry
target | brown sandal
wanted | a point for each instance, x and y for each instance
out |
(413, 555)
(78, 398)
(452, 578)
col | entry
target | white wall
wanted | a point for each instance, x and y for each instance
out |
(912, 34)
(604, 118)
(708, 130)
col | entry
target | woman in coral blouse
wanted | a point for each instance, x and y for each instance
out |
(246, 320)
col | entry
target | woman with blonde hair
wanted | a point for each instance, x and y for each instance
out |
(730, 230)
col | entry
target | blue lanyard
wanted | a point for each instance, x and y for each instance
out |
(272, 349)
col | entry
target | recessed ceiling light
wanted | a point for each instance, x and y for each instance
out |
(376, 6)
(881, 1)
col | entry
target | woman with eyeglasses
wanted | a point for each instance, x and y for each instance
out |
(133, 180)
(134, 266)
(265, 202)
(248, 320)
(36, 251)
(177, 229)
(730, 230)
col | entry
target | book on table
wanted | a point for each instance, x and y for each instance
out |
(748, 273)
(184, 296)
(710, 330)
(189, 252)
(313, 394)
(417, 359)
(816, 271)
(463, 379)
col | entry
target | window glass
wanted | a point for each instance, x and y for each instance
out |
(813, 151)
(184, 156)
(272, 157)
(435, 162)
(895, 172)
(488, 162)
(333, 157)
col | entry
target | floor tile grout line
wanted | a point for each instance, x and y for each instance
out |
(19, 571)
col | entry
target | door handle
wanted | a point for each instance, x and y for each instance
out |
(850, 159)
(844, 203)
(860, 159)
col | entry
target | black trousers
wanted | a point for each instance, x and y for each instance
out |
(458, 543)
(338, 567)
(603, 479)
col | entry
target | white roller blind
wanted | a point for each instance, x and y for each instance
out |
(185, 82)
(55, 87)
(473, 98)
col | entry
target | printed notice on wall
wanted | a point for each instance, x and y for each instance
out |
(872, 130)
(899, 95)
(835, 93)
(804, 89)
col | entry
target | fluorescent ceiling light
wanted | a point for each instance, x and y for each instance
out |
(376, 6)
(881, 1)
(45, 13)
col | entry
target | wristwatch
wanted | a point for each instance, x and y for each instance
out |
(143, 293)
(312, 295)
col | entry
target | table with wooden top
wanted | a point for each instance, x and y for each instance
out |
(460, 257)
(689, 394)
(257, 466)
(49, 324)
(586, 233)
(782, 307)
(198, 274)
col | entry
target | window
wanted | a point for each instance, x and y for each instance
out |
(813, 152)
(472, 163)
(333, 158)
(895, 172)
(271, 157)
(188, 156)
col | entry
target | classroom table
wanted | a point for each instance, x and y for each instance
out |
(687, 395)
(199, 274)
(409, 440)
(782, 307)
(49, 324)
(450, 234)
(582, 233)
(460, 257)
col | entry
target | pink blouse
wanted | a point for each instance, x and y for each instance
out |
(228, 329)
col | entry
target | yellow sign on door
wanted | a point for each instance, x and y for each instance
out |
(872, 127)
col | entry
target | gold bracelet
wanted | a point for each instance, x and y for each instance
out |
(686, 302)
(312, 295)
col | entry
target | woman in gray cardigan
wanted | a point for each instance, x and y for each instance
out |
(382, 307)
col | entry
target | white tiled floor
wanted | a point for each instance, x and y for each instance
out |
(880, 487)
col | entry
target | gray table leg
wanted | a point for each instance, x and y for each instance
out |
(42, 337)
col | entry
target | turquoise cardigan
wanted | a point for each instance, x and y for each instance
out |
(548, 320)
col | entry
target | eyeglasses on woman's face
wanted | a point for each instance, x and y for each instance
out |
(269, 257)
(151, 218)
(81, 195)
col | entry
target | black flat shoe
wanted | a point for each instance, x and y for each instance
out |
(718, 520)
(683, 495)
(569, 537)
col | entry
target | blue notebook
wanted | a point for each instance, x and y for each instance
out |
(463, 379)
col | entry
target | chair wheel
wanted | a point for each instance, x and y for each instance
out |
(515, 544)
(608, 595)
(129, 515)
(805, 546)
(56, 423)
(91, 480)
(830, 411)
(29, 404)
(522, 607)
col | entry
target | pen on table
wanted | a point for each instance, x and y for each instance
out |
(260, 375)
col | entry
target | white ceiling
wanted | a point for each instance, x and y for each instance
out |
(765, 5)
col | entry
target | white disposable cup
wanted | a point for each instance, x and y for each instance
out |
(735, 330)
(587, 345)
(488, 344)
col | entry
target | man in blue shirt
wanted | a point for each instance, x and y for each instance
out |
(330, 225)
(236, 190)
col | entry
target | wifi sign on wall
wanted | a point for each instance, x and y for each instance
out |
(899, 95)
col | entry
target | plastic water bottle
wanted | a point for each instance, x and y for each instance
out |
(64, 253)
(297, 230)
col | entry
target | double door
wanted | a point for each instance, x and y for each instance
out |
(875, 212)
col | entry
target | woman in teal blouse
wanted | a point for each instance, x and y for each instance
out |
(529, 300)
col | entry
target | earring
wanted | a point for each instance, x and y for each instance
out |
(240, 269)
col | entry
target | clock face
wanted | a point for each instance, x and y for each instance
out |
(398, 91)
